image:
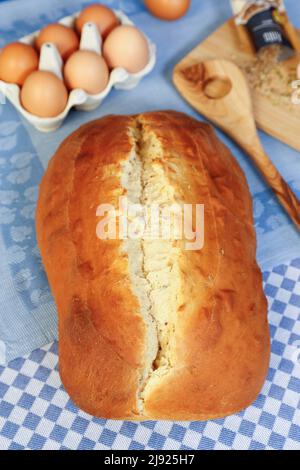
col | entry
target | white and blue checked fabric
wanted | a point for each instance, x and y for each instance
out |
(36, 412)
(27, 310)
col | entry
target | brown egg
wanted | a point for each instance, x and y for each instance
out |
(64, 38)
(168, 9)
(101, 15)
(86, 70)
(126, 47)
(17, 61)
(44, 94)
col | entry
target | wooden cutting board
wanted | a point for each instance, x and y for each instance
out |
(278, 121)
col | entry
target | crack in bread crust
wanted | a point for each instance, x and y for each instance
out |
(153, 264)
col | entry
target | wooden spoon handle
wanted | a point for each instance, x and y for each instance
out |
(285, 195)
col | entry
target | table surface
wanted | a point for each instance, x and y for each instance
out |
(36, 412)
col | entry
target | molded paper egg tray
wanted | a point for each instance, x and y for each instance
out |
(50, 60)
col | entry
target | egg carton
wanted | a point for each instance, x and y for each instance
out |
(50, 60)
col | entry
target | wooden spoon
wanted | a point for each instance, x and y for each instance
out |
(219, 91)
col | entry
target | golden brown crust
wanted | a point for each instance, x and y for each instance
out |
(222, 338)
(100, 331)
(222, 334)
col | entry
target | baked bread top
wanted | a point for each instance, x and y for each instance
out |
(148, 329)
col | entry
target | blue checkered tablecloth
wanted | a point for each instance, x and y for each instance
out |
(36, 412)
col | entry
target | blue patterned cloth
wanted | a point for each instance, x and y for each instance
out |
(27, 312)
(36, 412)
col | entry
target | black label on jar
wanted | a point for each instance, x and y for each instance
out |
(265, 30)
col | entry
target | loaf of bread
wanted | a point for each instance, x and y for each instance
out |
(147, 328)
